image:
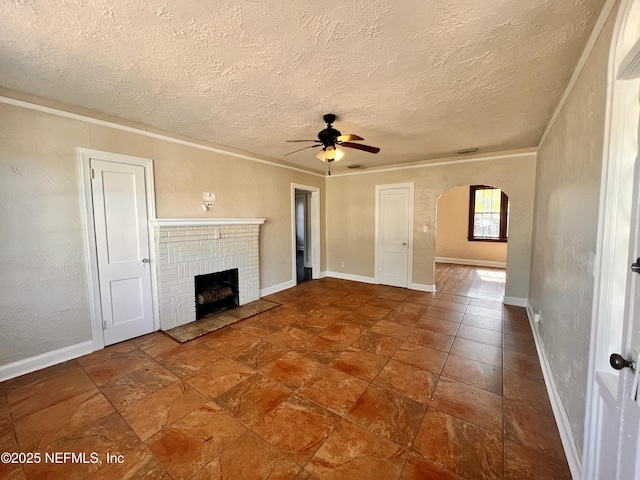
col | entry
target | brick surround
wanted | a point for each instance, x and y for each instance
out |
(189, 247)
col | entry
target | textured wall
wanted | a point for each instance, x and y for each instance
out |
(452, 231)
(565, 226)
(351, 197)
(44, 299)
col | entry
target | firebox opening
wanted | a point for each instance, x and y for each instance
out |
(216, 292)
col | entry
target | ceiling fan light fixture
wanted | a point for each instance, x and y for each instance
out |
(331, 154)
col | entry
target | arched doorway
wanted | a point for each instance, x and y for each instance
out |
(472, 227)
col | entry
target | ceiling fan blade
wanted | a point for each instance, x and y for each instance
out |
(358, 146)
(348, 138)
(304, 148)
(303, 141)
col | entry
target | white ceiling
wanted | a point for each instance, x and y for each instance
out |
(418, 78)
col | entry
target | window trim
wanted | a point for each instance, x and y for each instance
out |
(504, 207)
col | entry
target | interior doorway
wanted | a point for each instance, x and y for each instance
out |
(472, 228)
(305, 233)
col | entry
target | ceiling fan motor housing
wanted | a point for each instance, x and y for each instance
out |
(328, 136)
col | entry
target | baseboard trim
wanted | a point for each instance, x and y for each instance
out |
(277, 288)
(515, 301)
(474, 263)
(559, 412)
(422, 287)
(349, 276)
(44, 360)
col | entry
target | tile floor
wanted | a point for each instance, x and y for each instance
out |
(343, 380)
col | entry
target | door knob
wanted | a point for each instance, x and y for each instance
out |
(405, 244)
(635, 267)
(145, 260)
(618, 362)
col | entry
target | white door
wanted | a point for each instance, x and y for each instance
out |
(122, 243)
(628, 398)
(393, 234)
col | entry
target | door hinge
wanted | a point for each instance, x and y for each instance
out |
(93, 174)
(104, 325)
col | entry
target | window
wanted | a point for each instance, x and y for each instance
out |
(488, 214)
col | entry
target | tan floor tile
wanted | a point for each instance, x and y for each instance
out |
(297, 427)
(421, 357)
(480, 335)
(292, 370)
(377, 344)
(162, 408)
(259, 354)
(219, 377)
(527, 390)
(118, 364)
(431, 339)
(343, 333)
(42, 427)
(139, 463)
(479, 352)
(494, 324)
(321, 349)
(253, 398)
(186, 446)
(408, 380)
(49, 391)
(126, 390)
(443, 314)
(468, 403)
(460, 447)
(190, 361)
(392, 329)
(358, 363)
(249, 458)
(289, 337)
(520, 344)
(109, 434)
(420, 469)
(334, 390)
(481, 375)
(530, 427)
(524, 364)
(437, 325)
(352, 452)
(524, 463)
(227, 341)
(389, 414)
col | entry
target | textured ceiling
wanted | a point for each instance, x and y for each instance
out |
(418, 78)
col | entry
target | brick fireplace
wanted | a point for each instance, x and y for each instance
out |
(187, 247)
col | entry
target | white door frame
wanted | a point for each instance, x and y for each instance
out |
(409, 185)
(612, 262)
(91, 256)
(314, 223)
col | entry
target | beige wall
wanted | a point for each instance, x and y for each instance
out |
(452, 231)
(565, 227)
(44, 297)
(351, 214)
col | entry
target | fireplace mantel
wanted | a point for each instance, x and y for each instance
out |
(192, 222)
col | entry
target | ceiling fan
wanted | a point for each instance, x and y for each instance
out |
(330, 139)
